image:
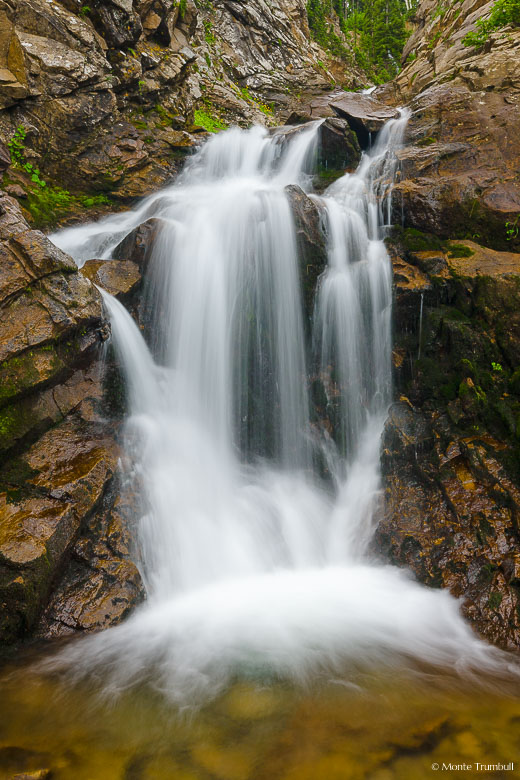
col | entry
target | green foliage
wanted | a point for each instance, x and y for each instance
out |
(263, 107)
(322, 29)
(84, 10)
(210, 123)
(48, 205)
(512, 230)
(375, 29)
(209, 35)
(17, 150)
(495, 600)
(503, 14)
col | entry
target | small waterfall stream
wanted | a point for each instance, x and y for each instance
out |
(252, 561)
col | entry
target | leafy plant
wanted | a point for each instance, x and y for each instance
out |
(503, 14)
(210, 123)
(209, 35)
(512, 229)
(17, 150)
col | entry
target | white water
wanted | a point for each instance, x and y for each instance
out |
(253, 563)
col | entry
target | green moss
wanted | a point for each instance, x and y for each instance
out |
(210, 123)
(20, 373)
(494, 600)
(414, 240)
(427, 141)
(48, 205)
(460, 250)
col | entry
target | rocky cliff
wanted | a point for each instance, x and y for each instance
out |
(111, 95)
(451, 452)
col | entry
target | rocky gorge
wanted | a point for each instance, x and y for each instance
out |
(111, 101)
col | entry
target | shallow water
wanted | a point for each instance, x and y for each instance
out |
(373, 727)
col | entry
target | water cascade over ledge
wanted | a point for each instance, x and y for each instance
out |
(253, 562)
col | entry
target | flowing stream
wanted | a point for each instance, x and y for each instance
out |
(254, 562)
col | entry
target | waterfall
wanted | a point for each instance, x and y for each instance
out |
(252, 561)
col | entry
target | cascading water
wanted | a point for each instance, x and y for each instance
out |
(251, 561)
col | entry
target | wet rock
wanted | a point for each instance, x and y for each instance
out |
(338, 149)
(311, 240)
(449, 464)
(51, 490)
(51, 324)
(101, 584)
(137, 245)
(406, 433)
(120, 278)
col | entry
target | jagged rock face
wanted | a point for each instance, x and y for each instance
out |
(440, 56)
(450, 450)
(459, 172)
(106, 91)
(58, 455)
(51, 324)
(459, 169)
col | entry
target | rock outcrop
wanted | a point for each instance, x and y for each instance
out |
(112, 96)
(459, 172)
(450, 451)
(58, 453)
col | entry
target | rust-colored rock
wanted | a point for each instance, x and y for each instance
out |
(51, 490)
(51, 324)
(101, 583)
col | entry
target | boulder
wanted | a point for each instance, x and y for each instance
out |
(364, 114)
(338, 149)
(101, 583)
(120, 278)
(46, 495)
(312, 242)
(137, 245)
